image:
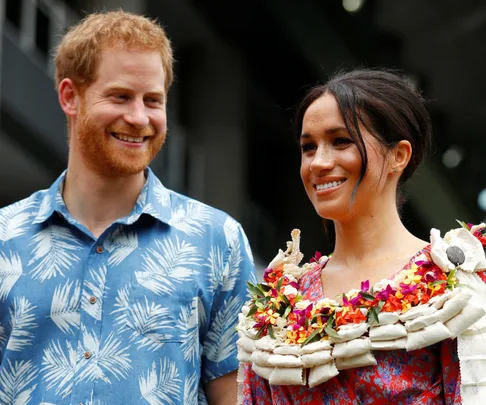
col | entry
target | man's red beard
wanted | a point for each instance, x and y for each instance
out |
(101, 154)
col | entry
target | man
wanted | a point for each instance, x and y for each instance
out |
(114, 289)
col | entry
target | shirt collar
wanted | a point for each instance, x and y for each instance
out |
(153, 200)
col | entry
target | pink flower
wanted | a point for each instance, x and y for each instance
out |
(302, 314)
(365, 285)
(407, 289)
(316, 258)
(384, 294)
(425, 264)
(356, 300)
(430, 276)
(266, 273)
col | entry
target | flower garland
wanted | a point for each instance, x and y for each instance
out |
(276, 302)
(281, 333)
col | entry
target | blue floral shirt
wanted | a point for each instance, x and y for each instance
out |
(146, 313)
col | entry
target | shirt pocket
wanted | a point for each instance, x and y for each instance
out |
(157, 319)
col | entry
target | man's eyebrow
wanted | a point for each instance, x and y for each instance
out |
(118, 87)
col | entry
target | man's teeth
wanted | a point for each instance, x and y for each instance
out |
(325, 186)
(126, 138)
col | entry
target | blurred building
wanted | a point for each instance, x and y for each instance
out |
(241, 68)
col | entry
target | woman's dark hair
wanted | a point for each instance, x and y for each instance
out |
(383, 102)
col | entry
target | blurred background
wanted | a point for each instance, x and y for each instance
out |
(241, 69)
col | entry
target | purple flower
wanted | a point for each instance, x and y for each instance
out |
(356, 300)
(407, 289)
(294, 284)
(325, 310)
(430, 276)
(267, 271)
(384, 294)
(316, 258)
(425, 264)
(365, 285)
(302, 314)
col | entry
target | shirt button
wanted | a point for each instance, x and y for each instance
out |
(99, 249)
(92, 300)
(87, 355)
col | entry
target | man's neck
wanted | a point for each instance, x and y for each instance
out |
(97, 201)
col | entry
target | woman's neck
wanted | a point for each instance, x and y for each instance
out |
(372, 237)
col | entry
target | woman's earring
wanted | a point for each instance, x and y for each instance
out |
(395, 171)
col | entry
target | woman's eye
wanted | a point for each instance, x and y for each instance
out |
(342, 141)
(307, 147)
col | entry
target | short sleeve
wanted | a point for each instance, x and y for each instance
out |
(219, 343)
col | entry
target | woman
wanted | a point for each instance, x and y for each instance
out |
(362, 135)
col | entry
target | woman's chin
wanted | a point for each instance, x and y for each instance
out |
(333, 212)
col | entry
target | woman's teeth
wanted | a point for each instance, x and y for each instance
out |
(126, 138)
(320, 187)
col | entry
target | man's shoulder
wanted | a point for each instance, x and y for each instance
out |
(190, 204)
(30, 203)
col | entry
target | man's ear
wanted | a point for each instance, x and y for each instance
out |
(402, 154)
(68, 97)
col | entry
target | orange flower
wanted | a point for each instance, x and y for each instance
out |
(349, 315)
(299, 335)
(392, 304)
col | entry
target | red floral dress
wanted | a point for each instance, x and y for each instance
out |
(421, 377)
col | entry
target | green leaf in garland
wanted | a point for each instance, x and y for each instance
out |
(450, 282)
(311, 337)
(252, 310)
(265, 287)
(380, 305)
(253, 289)
(287, 312)
(373, 316)
(259, 305)
(463, 224)
(270, 331)
(260, 332)
(261, 289)
(438, 282)
(331, 332)
(367, 296)
(264, 300)
(279, 284)
(284, 299)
